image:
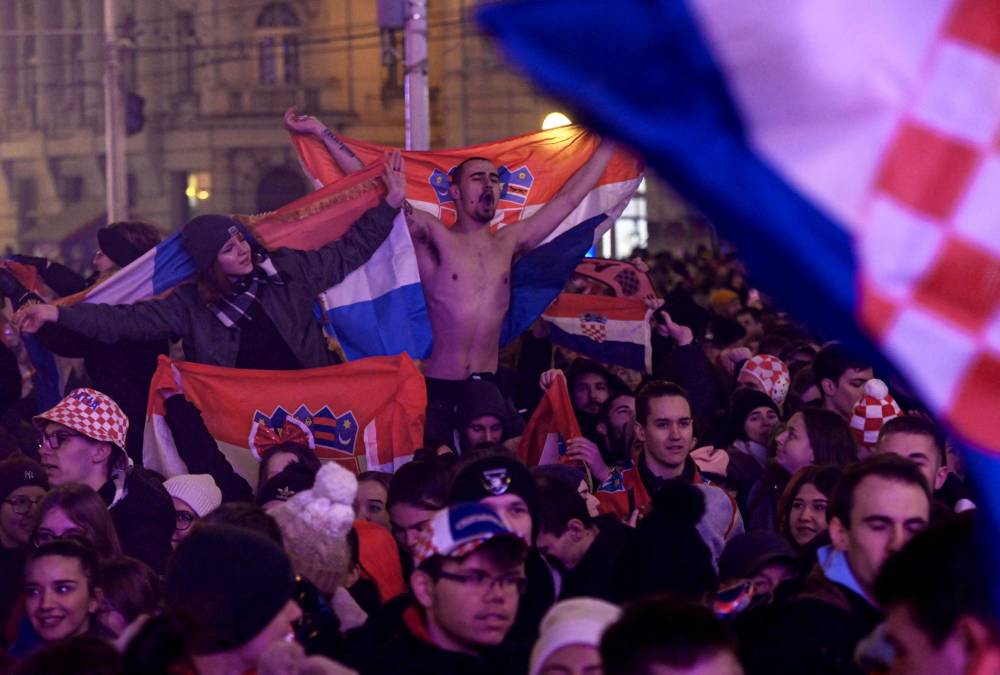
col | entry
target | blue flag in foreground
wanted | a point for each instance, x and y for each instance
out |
(850, 149)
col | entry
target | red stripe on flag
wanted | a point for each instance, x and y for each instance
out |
(976, 22)
(963, 284)
(572, 305)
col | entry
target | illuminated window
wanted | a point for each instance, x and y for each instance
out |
(630, 231)
(199, 188)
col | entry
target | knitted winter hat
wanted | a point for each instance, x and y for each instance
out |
(287, 483)
(744, 401)
(203, 237)
(495, 475)
(17, 472)
(229, 582)
(314, 524)
(578, 621)
(198, 491)
(745, 554)
(90, 413)
(875, 407)
(769, 373)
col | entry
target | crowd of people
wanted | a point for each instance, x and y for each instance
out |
(759, 502)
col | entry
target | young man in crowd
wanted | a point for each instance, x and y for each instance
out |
(841, 378)
(416, 492)
(467, 586)
(483, 415)
(616, 428)
(492, 476)
(936, 595)
(920, 440)
(83, 441)
(668, 636)
(665, 426)
(876, 508)
(588, 549)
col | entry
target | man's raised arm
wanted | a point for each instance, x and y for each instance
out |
(342, 155)
(534, 230)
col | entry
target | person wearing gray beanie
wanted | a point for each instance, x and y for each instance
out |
(246, 308)
(233, 588)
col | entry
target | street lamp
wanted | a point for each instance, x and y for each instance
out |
(555, 119)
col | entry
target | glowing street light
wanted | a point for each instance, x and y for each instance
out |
(555, 119)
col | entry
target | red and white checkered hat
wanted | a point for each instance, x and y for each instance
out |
(770, 372)
(872, 411)
(91, 413)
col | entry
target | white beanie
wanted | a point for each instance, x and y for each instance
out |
(197, 490)
(315, 523)
(578, 621)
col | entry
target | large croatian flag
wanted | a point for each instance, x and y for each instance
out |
(533, 167)
(850, 148)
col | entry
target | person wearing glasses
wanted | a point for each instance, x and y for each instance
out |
(467, 587)
(83, 441)
(22, 486)
(194, 496)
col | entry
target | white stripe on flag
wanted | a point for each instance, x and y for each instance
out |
(392, 266)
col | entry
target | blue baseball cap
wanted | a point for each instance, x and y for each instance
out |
(459, 530)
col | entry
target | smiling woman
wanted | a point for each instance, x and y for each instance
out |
(59, 589)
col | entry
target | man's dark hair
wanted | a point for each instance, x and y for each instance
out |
(421, 484)
(605, 411)
(887, 466)
(376, 476)
(832, 361)
(939, 576)
(656, 389)
(142, 235)
(455, 175)
(663, 631)
(920, 426)
(248, 516)
(562, 503)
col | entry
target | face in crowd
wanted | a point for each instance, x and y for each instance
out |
(794, 450)
(472, 602)
(589, 391)
(841, 395)
(59, 598)
(759, 423)
(186, 517)
(234, 259)
(886, 514)
(668, 433)
(70, 457)
(807, 515)
(922, 450)
(477, 190)
(369, 502)
(408, 522)
(17, 513)
(484, 429)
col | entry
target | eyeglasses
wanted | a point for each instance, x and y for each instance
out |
(184, 520)
(22, 505)
(54, 440)
(481, 582)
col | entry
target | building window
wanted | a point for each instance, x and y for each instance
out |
(186, 41)
(277, 34)
(71, 189)
(630, 231)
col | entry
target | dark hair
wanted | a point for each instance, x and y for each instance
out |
(380, 477)
(79, 654)
(353, 548)
(130, 586)
(455, 175)
(142, 235)
(71, 547)
(502, 552)
(884, 465)
(939, 577)
(583, 366)
(915, 424)
(604, 413)
(656, 389)
(421, 484)
(832, 361)
(162, 646)
(562, 503)
(663, 630)
(304, 456)
(212, 284)
(88, 511)
(823, 477)
(829, 436)
(248, 516)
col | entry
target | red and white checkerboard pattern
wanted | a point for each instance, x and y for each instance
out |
(772, 374)
(596, 331)
(92, 414)
(930, 240)
(870, 415)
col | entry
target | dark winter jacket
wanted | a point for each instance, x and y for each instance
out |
(144, 518)
(762, 500)
(290, 305)
(595, 574)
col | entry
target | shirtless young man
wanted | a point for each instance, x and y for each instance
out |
(465, 268)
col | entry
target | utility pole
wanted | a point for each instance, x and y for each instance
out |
(114, 121)
(418, 133)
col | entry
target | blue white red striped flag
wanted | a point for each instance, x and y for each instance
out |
(606, 329)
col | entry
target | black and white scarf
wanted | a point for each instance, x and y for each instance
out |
(230, 310)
